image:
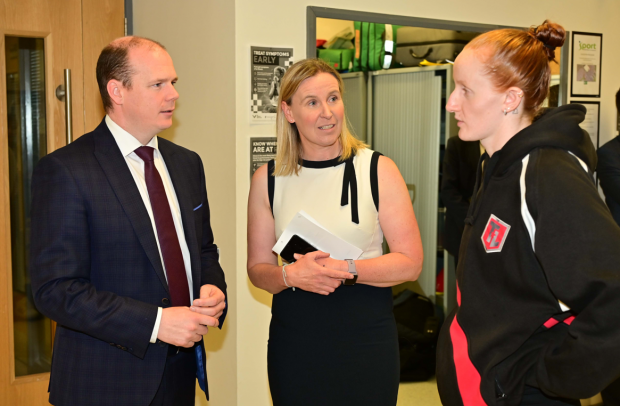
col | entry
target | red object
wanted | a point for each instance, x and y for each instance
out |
(467, 376)
(439, 285)
(495, 234)
(320, 42)
(550, 323)
(166, 233)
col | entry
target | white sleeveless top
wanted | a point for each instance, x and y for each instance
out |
(318, 189)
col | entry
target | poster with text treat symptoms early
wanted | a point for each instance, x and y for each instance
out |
(267, 68)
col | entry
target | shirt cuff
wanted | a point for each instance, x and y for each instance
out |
(156, 328)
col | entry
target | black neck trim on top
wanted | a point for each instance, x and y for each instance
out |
(349, 181)
(321, 164)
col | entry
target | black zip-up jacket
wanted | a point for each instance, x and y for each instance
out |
(538, 274)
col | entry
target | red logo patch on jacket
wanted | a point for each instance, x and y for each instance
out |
(495, 234)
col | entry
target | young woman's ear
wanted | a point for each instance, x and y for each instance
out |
(513, 100)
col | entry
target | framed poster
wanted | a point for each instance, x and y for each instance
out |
(262, 150)
(586, 64)
(593, 116)
(267, 68)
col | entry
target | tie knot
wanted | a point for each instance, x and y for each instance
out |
(145, 153)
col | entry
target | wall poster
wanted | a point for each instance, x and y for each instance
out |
(591, 122)
(268, 67)
(586, 64)
(262, 150)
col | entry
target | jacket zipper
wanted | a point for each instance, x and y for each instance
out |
(499, 392)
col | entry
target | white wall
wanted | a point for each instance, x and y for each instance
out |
(210, 43)
(199, 35)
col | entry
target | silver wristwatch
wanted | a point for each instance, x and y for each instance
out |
(352, 271)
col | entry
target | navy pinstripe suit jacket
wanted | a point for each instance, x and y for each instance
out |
(96, 270)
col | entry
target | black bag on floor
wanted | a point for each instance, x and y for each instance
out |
(418, 328)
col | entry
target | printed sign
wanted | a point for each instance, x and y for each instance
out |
(495, 234)
(593, 117)
(586, 65)
(262, 150)
(268, 67)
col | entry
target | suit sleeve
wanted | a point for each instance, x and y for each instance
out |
(60, 266)
(211, 270)
(578, 246)
(609, 173)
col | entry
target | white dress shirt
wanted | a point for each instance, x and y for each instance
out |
(127, 143)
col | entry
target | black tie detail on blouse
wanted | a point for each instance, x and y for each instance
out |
(350, 180)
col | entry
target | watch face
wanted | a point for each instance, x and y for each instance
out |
(351, 281)
(352, 271)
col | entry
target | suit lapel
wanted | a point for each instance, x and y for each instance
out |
(180, 175)
(116, 170)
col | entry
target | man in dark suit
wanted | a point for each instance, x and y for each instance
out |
(609, 174)
(460, 163)
(122, 252)
(608, 170)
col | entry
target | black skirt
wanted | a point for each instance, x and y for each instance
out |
(340, 349)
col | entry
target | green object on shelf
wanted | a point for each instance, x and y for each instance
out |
(339, 59)
(374, 46)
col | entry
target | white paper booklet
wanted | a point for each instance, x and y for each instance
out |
(310, 230)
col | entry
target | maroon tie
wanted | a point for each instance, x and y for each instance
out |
(166, 233)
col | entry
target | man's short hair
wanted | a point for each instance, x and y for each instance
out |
(113, 64)
(618, 101)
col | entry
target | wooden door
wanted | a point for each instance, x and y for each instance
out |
(38, 40)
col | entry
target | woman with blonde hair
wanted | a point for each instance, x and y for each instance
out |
(537, 321)
(332, 338)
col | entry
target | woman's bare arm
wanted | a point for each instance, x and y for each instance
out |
(263, 269)
(399, 225)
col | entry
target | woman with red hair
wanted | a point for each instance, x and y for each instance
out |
(538, 320)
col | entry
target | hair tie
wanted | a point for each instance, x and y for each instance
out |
(549, 46)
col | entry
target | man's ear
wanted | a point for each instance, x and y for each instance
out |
(116, 90)
(286, 109)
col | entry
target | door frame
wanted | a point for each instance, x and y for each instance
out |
(312, 12)
(6, 278)
(105, 22)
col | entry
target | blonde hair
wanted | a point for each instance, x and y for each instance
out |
(289, 155)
